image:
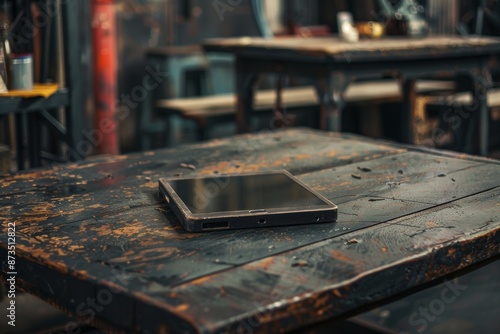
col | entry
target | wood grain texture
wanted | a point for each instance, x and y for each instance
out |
(96, 226)
(272, 294)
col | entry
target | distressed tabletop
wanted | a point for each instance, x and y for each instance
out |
(95, 239)
(334, 48)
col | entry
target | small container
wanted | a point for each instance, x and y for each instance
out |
(22, 71)
(371, 29)
(347, 31)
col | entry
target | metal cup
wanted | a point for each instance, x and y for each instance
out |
(22, 72)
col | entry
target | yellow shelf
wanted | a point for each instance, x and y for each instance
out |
(39, 90)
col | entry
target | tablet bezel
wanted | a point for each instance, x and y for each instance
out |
(195, 222)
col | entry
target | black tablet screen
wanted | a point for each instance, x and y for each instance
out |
(246, 192)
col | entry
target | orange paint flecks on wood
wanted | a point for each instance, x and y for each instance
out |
(98, 206)
(81, 274)
(60, 252)
(32, 176)
(343, 184)
(319, 303)
(282, 162)
(150, 185)
(8, 183)
(264, 264)
(340, 256)
(431, 224)
(181, 308)
(221, 167)
(201, 281)
(44, 208)
(303, 156)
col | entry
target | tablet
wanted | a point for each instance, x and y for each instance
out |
(245, 201)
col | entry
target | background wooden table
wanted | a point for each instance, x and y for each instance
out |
(95, 239)
(332, 64)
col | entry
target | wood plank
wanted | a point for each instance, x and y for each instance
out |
(244, 146)
(117, 233)
(66, 195)
(152, 241)
(463, 99)
(409, 176)
(340, 274)
(344, 52)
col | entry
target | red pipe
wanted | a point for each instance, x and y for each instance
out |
(104, 137)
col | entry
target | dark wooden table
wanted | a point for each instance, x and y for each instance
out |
(332, 64)
(95, 239)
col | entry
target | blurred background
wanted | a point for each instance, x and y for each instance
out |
(113, 46)
(119, 76)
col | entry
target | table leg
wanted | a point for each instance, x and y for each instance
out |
(408, 89)
(481, 84)
(484, 126)
(330, 92)
(19, 140)
(34, 140)
(280, 116)
(245, 89)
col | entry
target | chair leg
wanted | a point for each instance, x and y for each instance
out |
(34, 140)
(174, 130)
(19, 141)
(203, 132)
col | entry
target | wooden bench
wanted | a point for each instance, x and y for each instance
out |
(462, 99)
(210, 110)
